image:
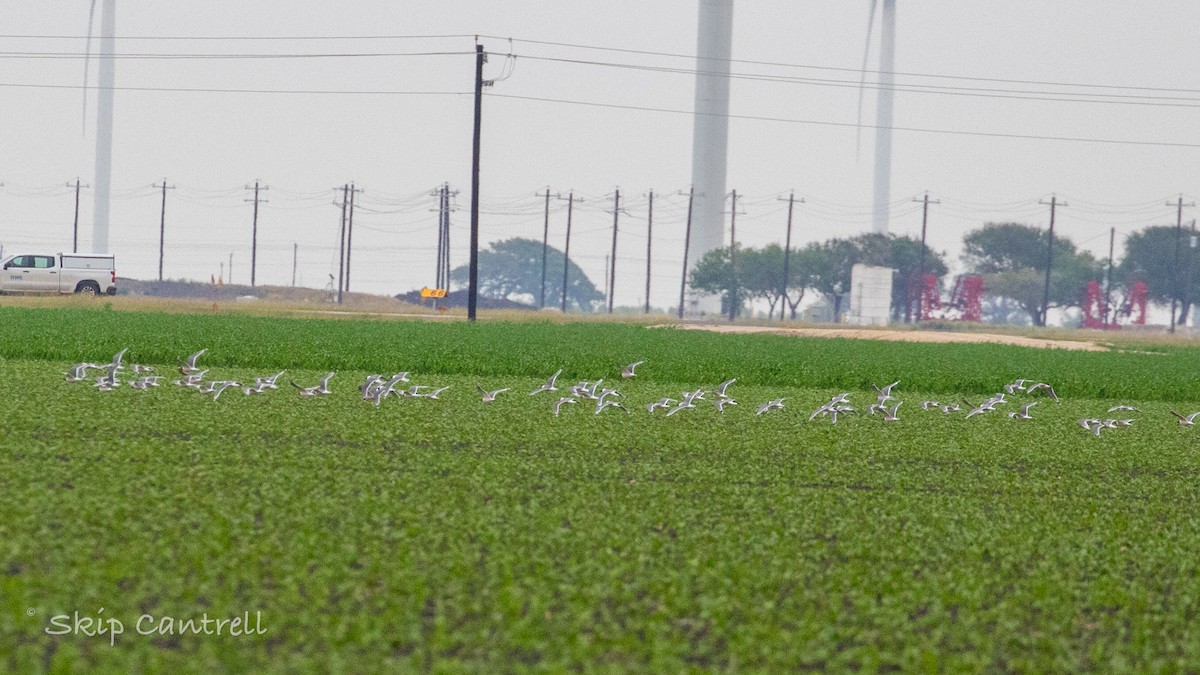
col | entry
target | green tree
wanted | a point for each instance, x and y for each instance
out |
(762, 274)
(759, 275)
(802, 276)
(715, 275)
(1012, 259)
(1150, 257)
(824, 268)
(512, 269)
(833, 261)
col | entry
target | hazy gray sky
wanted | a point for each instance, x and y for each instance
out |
(999, 106)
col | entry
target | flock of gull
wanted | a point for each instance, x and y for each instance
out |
(377, 388)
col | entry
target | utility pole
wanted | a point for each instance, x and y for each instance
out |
(162, 225)
(446, 236)
(342, 243)
(687, 240)
(442, 275)
(1054, 204)
(450, 194)
(1175, 262)
(612, 271)
(545, 250)
(567, 247)
(473, 265)
(350, 234)
(75, 236)
(442, 272)
(295, 256)
(229, 278)
(733, 294)
(921, 274)
(254, 230)
(1112, 241)
(787, 253)
(649, 232)
(440, 193)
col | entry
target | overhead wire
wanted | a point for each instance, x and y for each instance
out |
(841, 69)
(765, 118)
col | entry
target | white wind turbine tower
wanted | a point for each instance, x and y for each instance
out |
(104, 117)
(710, 134)
(883, 112)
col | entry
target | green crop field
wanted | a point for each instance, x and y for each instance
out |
(454, 535)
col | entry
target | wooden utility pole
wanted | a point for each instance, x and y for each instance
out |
(342, 243)
(733, 280)
(75, 228)
(545, 250)
(473, 264)
(1054, 204)
(442, 271)
(446, 237)
(687, 240)
(921, 273)
(440, 193)
(1112, 241)
(162, 225)
(649, 232)
(612, 270)
(1175, 260)
(350, 233)
(567, 248)
(787, 254)
(254, 231)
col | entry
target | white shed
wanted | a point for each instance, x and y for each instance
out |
(870, 295)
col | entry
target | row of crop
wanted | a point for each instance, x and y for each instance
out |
(588, 351)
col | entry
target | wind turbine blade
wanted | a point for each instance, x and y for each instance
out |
(863, 78)
(87, 55)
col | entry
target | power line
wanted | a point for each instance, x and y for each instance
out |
(218, 90)
(762, 118)
(1018, 94)
(640, 52)
(842, 69)
(1076, 97)
(150, 56)
(218, 38)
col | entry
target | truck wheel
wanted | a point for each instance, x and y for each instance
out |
(87, 288)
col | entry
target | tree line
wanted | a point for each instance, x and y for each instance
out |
(1011, 258)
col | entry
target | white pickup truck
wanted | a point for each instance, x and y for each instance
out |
(85, 273)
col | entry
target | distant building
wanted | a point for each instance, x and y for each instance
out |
(870, 295)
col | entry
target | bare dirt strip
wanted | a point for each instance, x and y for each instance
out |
(902, 336)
